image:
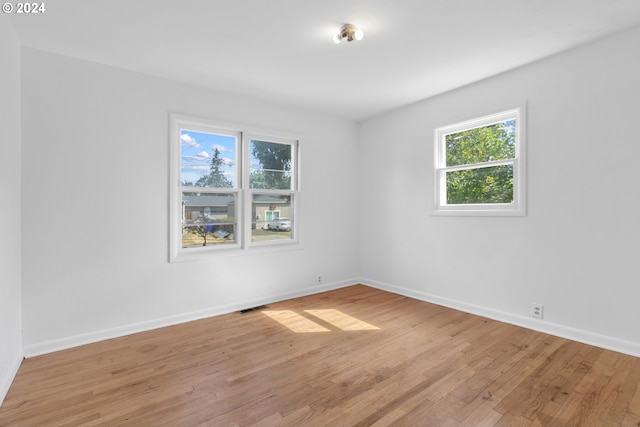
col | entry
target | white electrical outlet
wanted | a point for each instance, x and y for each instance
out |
(537, 310)
(319, 279)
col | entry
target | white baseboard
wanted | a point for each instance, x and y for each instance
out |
(37, 349)
(7, 379)
(574, 334)
(563, 331)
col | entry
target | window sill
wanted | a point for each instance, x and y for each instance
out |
(478, 211)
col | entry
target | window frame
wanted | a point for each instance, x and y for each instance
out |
(292, 192)
(515, 208)
(242, 191)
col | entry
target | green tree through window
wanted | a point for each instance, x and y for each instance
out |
(215, 178)
(475, 147)
(273, 167)
(480, 166)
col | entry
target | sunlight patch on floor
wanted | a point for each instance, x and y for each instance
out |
(300, 324)
(341, 320)
(295, 322)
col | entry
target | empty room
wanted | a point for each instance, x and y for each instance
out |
(336, 213)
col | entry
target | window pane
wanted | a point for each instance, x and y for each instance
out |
(483, 185)
(483, 144)
(208, 219)
(207, 159)
(270, 165)
(272, 217)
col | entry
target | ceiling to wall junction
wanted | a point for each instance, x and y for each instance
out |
(282, 50)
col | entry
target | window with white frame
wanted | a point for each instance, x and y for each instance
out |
(480, 166)
(231, 188)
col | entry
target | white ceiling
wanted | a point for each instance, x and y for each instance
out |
(281, 50)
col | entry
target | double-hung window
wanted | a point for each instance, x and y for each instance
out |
(231, 188)
(480, 166)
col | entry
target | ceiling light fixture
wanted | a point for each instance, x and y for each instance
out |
(348, 32)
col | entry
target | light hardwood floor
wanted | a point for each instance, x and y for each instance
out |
(351, 357)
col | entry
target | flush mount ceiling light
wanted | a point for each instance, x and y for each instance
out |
(348, 32)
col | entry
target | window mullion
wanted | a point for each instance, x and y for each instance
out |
(477, 165)
(247, 206)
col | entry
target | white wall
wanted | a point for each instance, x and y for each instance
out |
(576, 251)
(95, 180)
(94, 203)
(10, 218)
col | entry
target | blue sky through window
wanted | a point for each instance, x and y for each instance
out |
(198, 148)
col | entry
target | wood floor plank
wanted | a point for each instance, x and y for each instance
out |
(381, 360)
